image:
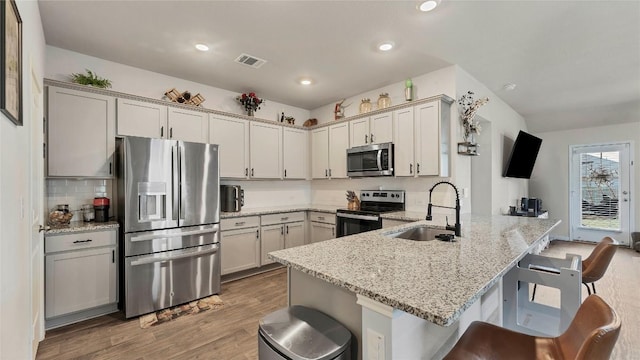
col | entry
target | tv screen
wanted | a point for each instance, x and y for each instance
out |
(523, 156)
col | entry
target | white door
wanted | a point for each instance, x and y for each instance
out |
(600, 193)
(338, 145)
(294, 234)
(295, 149)
(381, 128)
(188, 125)
(265, 150)
(271, 239)
(239, 250)
(138, 118)
(427, 139)
(322, 232)
(320, 153)
(403, 142)
(359, 130)
(37, 216)
(233, 137)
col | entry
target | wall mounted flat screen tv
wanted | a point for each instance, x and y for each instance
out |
(523, 156)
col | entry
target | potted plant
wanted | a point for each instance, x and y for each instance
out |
(91, 79)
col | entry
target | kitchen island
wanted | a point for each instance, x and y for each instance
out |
(405, 299)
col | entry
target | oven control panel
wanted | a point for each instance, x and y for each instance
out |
(393, 196)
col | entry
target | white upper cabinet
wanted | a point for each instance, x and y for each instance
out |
(320, 153)
(232, 135)
(265, 150)
(376, 129)
(138, 118)
(80, 133)
(381, 128)
(338, 145)
(296, 153)
(359, 130)
(404, 150)
(188, 125)
(431, 123)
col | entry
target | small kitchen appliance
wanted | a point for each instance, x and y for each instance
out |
(370, 160)
(372, 204)
(101, 209)
(231, 198)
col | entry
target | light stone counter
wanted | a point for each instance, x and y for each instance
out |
(411, 216)
(81, 226)
(277, 210)
(433, 280)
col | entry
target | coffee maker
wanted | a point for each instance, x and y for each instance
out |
(531, 206)
(231, 198)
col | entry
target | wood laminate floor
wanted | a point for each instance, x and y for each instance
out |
(231, 333)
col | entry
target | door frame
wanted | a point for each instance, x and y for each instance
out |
(631, 204)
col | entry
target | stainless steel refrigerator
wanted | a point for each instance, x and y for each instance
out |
(169, 211)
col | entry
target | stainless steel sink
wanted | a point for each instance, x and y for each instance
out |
(422, 233)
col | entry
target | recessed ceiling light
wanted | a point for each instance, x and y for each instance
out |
(202, 47)
(428, 5)
(509, 86)
(305, 81)
(385, 46)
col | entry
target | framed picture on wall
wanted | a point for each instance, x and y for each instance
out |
(11, 61)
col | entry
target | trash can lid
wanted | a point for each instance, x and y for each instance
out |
(302, 333)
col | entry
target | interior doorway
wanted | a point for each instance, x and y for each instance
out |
(600, 201)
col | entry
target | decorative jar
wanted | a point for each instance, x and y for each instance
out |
(365, 106)
(384, 101)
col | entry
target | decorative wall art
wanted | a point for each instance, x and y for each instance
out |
(11, 65)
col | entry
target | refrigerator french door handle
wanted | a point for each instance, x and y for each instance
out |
(175, 191)
(181, 179)
(176, 235)
(184, 254)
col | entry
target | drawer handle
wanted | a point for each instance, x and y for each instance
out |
(240, 223)
(284, 218)
(320, 217)
(82, 241)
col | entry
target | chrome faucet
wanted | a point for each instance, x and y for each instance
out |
(456, 227)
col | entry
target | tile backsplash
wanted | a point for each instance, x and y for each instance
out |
(77, 193)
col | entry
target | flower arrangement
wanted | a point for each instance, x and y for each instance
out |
(468, 109)
(250, 102)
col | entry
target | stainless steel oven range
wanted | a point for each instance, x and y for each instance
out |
(169, 213)
(372, 204)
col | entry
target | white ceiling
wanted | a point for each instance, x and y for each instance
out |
(575, 63)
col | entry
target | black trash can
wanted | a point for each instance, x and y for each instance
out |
(301, 333)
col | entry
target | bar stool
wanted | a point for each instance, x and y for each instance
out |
(594, 266)
(592, 335)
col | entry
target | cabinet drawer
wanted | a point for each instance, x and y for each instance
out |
(322, 217)
(85, 240)
(239, 222)
(282, 218)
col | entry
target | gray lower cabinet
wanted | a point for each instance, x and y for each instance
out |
(80, 276)
(240, 244)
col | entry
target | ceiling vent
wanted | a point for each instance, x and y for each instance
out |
(249, 60)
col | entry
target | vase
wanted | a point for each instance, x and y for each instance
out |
(250, 112)
(470, 137)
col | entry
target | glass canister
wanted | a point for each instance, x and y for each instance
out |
(87, 212)
(384, 101)
(365, 106)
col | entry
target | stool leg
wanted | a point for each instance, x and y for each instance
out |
(588, 289)
(594, 287)
(533, 296)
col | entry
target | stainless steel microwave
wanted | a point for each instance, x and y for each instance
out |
(370, 160)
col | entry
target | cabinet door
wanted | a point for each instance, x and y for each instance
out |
(381, 128)
(322, 232)
(137, 118)
(295, 153)
(427, 138)
(188, 125)
(320, 153)
(239, 250)
(81, 133)
(294, 234)
(272, 239)
(233, 137)
(404, 164)
(265, 150)
(338, 145)
(359, 130)
(79, 280)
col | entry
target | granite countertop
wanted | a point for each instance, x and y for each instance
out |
(81, 226)
(433, 280)
(410, 216)
(277, 210)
